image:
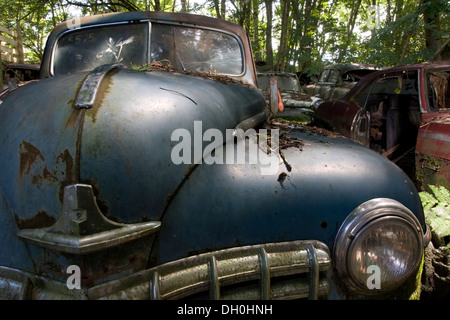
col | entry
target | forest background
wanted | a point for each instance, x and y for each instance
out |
(287, 35)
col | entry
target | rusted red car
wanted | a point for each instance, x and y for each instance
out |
(403, 113)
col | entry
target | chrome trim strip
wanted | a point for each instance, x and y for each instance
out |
(252, 121)
(154, 292)
(214, 290)
(313, 273)
(88, 92)
(265, 274)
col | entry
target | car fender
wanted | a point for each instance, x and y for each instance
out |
(338, 115)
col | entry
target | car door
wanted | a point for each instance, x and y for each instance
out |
(433, 140)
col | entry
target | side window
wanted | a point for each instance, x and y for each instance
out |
(333, 77)
(393, 104)
(360, 98)
(288, 84)
(438, 89)
(394, 88)
(324, 75)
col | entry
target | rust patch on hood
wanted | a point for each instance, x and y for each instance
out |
(31, 157)
(40, 220)
(29, 154)
(70, 178)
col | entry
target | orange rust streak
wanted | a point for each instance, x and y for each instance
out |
(28, 156)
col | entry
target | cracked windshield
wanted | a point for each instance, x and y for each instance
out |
(86, 49)
(187, 49)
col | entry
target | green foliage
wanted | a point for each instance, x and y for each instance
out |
(436, 207)
(37, 18)
(305, 37)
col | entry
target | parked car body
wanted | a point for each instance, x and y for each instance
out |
(18, 74)
(296, 103)
(22, 71)
(101, 199)
(337, 80)
(398, 111)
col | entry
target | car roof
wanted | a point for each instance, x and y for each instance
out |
(174, 17)
(419, 66)
(424, 65)
(347, 67)
(23, 66)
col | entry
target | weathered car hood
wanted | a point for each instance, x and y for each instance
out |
(121, 146)
(319, 181)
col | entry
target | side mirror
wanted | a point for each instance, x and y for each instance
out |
(275, 101)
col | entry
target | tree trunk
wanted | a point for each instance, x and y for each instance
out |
(306, 16)
(282, 49)
(157, 5)
(269, 50)
(217, 8)
(19, 47)
(255, 42)
(1, 68)
(350, 27)
(432, 26)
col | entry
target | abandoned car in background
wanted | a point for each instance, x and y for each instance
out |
(113, 191)
(336, 80)
(17, 74)
(402, 113)
(296, 104)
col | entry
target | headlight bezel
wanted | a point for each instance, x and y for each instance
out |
(369, 215)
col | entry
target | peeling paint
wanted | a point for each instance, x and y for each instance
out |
(29, 154)
(40, 220)
(67, 159)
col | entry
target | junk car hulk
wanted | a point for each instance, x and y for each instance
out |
(92, 205)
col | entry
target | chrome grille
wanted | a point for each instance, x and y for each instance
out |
(287, 270)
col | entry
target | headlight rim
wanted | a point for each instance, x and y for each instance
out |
(369, 213)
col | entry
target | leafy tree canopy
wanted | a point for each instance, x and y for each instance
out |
(287, 35)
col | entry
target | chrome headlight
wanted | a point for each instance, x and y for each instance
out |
(378, 247)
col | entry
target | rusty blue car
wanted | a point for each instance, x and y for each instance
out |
(145, 163)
